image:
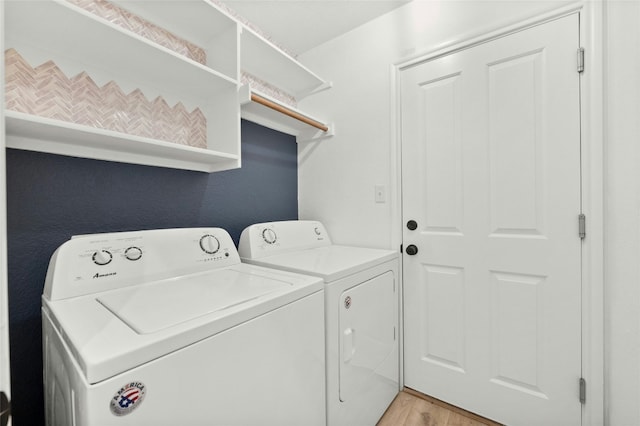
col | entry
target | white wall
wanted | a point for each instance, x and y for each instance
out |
(337, 176)
(622, 213)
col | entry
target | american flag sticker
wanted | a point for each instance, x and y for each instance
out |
(127, 399)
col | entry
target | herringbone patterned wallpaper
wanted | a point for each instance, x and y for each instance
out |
(46, 92)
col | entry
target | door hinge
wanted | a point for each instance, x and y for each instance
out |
(582, 226)
(581, 59)
(583, 390)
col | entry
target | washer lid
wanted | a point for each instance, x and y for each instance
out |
(154, 307)
(113, 332)
(331, 263)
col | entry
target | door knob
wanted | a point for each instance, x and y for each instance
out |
(412, 225)
(412, 250)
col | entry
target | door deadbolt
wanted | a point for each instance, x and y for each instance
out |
(412, 225)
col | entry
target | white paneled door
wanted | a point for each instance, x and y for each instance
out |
(491, 178)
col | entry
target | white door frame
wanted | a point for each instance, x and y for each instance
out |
(592, 181)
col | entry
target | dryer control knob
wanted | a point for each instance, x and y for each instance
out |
(133, 253)
(102, 257)
(209, 244)
(269, 236)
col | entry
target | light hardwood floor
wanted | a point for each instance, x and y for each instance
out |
(411, 408)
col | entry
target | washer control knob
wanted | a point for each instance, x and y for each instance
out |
(269, 236)
(209, 244)
(102, 257)
(133, 253)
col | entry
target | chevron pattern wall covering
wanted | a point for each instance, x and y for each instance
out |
(46, 92)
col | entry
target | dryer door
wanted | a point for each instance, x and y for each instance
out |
(368, 337)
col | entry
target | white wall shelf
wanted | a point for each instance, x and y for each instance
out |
(201, 21)
(77, 40)
(261, 58)
(67, 33)
(282, 117)
(28, 132)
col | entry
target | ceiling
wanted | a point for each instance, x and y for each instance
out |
(300, 25)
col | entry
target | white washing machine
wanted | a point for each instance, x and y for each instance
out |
(168, 327)
(361, 312)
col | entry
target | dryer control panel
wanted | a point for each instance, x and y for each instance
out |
(266, 239)
(94, 263)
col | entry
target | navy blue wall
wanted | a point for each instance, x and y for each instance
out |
(51, 198)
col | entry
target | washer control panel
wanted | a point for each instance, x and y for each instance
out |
(98, 262)
(265, 239)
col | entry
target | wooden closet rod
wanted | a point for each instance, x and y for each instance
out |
(266, 102)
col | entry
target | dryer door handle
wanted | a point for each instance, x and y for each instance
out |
(348, 345)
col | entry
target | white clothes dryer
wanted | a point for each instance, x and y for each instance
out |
(361, 312)
(168, 327)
